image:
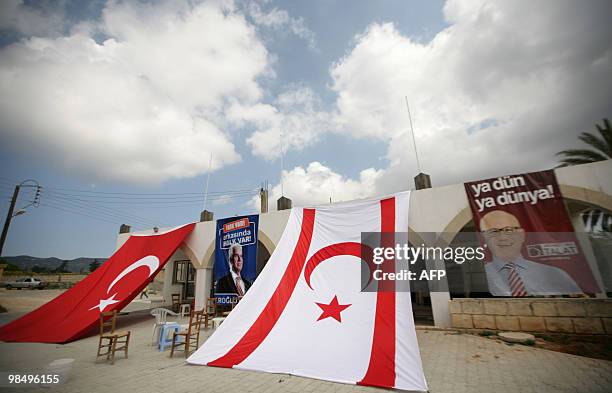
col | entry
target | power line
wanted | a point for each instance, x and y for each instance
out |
(149, 194)
(106, 211)
(151, 198)
(78, 213)
(144, 202)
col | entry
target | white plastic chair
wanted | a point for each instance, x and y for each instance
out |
(160, 315)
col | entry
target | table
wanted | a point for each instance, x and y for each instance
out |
(165, 336)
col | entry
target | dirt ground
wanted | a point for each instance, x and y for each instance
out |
(592, 346)
(21, 301)
(25, 300)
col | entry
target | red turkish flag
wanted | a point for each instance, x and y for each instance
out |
(110, 287)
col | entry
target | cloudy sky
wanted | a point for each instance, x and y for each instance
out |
(116, 107)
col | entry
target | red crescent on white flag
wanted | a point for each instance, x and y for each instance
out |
(333, 250)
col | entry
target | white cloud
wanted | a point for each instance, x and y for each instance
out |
(278, 19)
(295, 113)
(146, 104)
(500, 90)
(222, 200)
(316, 184)
(16, 15)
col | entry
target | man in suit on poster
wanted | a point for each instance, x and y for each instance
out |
(509, 273)
(234, 282)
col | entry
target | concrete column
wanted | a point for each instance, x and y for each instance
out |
(206, 216)
(438, 292)
(263, 195)
(283, 203)
(202, 287)
(422, 181)
(124, 228)
(587, 250)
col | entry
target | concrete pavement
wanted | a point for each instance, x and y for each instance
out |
(452, 362)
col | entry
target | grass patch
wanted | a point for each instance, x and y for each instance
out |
(530, 343)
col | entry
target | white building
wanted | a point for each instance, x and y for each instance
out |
(440, 209)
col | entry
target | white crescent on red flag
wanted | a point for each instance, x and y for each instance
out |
(306, 315)
(110, 287)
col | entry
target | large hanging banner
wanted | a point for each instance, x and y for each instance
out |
(531, 245)
(110, 287)
(307, 315)
(235, 266)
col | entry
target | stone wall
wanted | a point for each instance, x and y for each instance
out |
(48, 277)
(555, 315)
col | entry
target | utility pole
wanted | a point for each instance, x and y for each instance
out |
(9, 217)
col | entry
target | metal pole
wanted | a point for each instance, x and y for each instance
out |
(281, 163)
(207, 180)
(9, 217)
(413, 139)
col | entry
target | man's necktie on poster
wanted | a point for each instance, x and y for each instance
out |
(516, 284)
(239, 286)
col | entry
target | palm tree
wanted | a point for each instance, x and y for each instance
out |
(596, 222)
(602, 147)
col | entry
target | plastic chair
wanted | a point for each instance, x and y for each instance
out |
(160, 315)
(185, 309)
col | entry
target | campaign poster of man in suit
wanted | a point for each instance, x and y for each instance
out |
(235, 266)
(532, 249)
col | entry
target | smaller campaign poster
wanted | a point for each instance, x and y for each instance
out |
(532, 249)
(235, 266)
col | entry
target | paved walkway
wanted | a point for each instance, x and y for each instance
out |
(453, 363)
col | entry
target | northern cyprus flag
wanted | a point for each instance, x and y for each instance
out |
(306, 315)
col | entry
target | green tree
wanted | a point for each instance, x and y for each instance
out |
(62, 268)
(600, 147)
(39, 269)
(10, 267)
(94, 265)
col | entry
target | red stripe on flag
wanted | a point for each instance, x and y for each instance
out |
(276, 305)
(381, 370)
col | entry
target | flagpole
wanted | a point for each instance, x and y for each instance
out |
(207, 181)
(281, 164)
(413, 138)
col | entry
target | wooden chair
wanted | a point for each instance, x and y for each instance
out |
(176, 302)
(109, 338)
(190, 337)
(210, 311)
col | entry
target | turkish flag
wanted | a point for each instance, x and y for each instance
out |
(110, 287)
(306, 314)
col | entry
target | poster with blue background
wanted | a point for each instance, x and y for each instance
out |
(235, 266)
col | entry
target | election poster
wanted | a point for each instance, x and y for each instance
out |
(531, 247)
(235, 266)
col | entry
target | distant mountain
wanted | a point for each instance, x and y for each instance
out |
(26, 263)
